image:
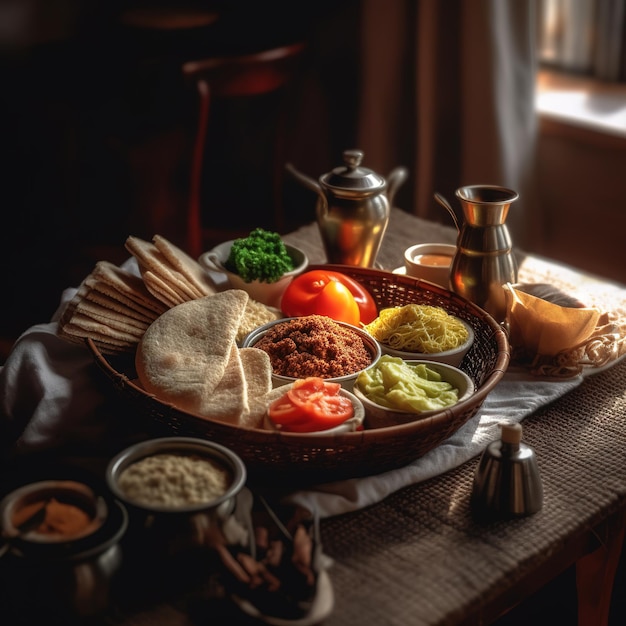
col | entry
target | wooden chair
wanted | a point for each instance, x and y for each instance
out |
(230, 77)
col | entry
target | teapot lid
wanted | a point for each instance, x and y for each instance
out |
(352, 177)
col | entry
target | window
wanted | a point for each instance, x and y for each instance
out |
(585, 37)
(582, 55)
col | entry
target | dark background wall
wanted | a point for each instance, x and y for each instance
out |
(97, 128)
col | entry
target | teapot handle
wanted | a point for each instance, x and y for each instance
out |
(394, 180)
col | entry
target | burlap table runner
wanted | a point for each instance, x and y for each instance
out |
(419, 557)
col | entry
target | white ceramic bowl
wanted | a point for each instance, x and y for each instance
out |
(431, 262)
(352, 424)
(268, 293)
(346, 381)
(450, 357)
(377, 416)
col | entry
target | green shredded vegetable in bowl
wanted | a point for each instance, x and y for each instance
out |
(261, 256)
(396, 391)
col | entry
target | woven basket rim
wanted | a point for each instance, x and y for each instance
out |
(356, 437)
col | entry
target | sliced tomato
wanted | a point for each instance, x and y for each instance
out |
(310, 389)
(283, 410)
(333, 410)
(311, 404)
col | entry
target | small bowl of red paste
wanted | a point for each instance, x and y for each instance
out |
(315, 345)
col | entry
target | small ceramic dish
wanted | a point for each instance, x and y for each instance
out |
(431, 262)
(267, 293)
(346, 381)
(350, 425)
(378, 416)
(452, 357)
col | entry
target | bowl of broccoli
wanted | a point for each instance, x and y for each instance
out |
(261, 264)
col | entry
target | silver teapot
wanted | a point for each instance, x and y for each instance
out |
(352, 209)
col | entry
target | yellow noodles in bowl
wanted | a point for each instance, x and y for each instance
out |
(418, 328)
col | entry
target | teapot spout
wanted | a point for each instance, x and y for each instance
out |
(307, 181)
(394, 180)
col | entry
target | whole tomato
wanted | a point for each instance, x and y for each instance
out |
(334, 294)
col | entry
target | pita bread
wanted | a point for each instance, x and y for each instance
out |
(109, 316)
(181, 261)
(88, 324)
(161, 290)
(229, 400)
(257, 371)
(124, 284)
(127, 308)
(70, 307)
(182, 356)
(105, 343)
(111, 330)
(150, 258)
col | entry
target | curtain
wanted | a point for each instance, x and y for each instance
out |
(447, 89)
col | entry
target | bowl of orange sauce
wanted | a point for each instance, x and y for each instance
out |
(431, 262)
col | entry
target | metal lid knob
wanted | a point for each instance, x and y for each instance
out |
(511, 433)
(352, 177)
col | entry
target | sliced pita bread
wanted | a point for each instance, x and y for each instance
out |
(78, 334)
(109, 316)
(70, 307)
(121, 306)
(161, 290)
(257, 371)
(187, 266)
(229, 400)
(183, 354)
(150, 258)
(90, 325)
(82, 319)
(125, 284)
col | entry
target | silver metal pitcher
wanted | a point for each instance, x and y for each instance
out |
(352, 208)
(484, 259)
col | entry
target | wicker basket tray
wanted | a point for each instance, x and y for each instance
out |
(303, 459)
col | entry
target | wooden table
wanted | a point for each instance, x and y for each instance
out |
(420, 557)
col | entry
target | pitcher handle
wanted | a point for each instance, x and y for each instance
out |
(446, 205)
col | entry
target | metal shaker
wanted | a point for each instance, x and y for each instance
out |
(507, 482)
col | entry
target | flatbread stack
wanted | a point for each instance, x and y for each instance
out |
(112, 307)
(168, 272)
(188, 357)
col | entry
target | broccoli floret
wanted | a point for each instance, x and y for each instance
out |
(261, 256)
